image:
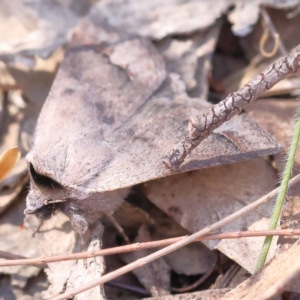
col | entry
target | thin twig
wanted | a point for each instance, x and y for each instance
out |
(16, 260)
(16, 257)
(128, 287)
(185, 241)
(200, 127)
(11, 87)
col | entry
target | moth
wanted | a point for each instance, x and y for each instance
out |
(112, 115)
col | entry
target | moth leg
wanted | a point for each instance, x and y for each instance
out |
(83, 247)
(118, 227)
(38, 228)
(81, 226)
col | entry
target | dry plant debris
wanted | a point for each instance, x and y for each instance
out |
(134, 73)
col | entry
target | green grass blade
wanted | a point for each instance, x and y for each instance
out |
(281, 195)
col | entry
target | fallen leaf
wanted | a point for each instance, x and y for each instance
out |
(203, 295)
(8, 159)
(54, 237)
(271, 280)
(36, 28)
(246, 13)
(200, 198)
(276, 116)
(155, 276)
(159, 19)
(191, 58)
(17, 240)
(90, 269)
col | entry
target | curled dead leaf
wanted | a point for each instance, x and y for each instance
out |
(7, 161)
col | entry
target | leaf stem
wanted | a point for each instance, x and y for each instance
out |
(281, 195)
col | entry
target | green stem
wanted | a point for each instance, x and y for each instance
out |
(281, 195)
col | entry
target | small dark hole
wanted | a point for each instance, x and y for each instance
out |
(42, 180)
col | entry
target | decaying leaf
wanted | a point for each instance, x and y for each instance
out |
(87, 270)
(197, 199)
(190, 58)
(8, 159)
(158, 19)
(32, 290)
(17, 239)
(55, 237)
(276, 116)
(270, 280)
(203, 295)
(246, 13)
(155, 276)
(36, 27)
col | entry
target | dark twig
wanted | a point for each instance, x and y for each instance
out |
(201, 126)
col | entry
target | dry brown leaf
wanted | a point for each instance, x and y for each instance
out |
(191, 58)
(17, 239)
(290, 219)
(55, 237)
(271, 280)
(8, 159)
(242, 77)
(287, 28)
(158, 19)
(246, 13)
(36, 28)
(42, 75)
(87, 270)
(197, 199)
(276, 116)
(203, 295)
(32, 290)
(284, 25)
(154, 276)
(192, 259)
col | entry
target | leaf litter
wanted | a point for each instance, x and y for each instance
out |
(157, 117)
